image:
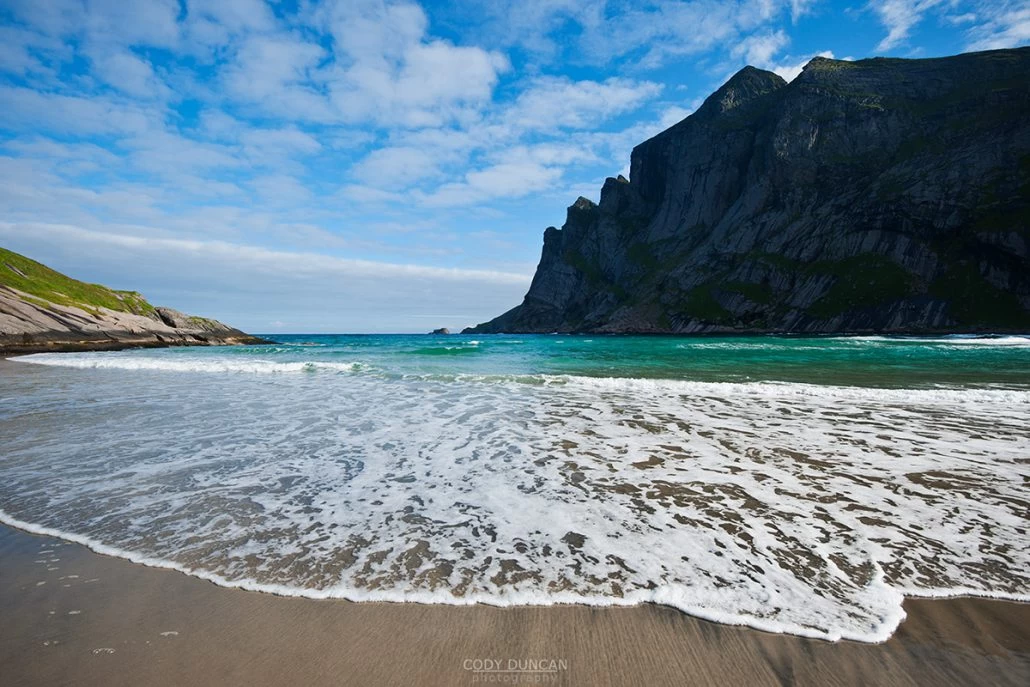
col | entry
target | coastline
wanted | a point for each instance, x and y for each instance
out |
(72, 615)
(733, 332)
(9, 350)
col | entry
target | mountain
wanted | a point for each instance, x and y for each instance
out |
(43, 310)
(881, 195)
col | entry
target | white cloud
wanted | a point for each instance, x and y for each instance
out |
(759, 49)
(789, 69)
(373, 30)
(153, 23)
(53, 18)
(275, 72)
(618, 145)
(899, 17)
(224, 280)
(265, 144)
(510, 179)
(360, 193)
(651, 33)
(550, 103)
(673, 114)
(396, 167)
(129, 73)
(30, 110)
(169, 154)
(670, 29)
(528, 23)
(1005, 25)
(286, 262)
(387, 70)
(232, 16)
(960, 19)
(281, 190)
(497, 146)
(20, 49)
(993, 24)
(88, 155)
(799, 8)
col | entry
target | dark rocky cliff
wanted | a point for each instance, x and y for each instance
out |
(882, 195)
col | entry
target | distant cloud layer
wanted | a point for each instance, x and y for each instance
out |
(380, 162)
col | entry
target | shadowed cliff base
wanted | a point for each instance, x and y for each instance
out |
(881, 195)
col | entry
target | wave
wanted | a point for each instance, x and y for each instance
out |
(794, 508)
(815, 345)
(643, 386)
(223, 365)
(629, 385)
(949, 340)
(786, 390)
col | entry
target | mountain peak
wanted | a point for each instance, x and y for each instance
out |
(882, 195)
(746, 85)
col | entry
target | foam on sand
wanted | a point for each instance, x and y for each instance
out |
(785, 507)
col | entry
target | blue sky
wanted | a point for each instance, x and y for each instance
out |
(374, 166)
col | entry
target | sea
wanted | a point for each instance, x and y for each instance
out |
(797, 485)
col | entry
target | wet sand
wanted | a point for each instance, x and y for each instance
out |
(69, 616)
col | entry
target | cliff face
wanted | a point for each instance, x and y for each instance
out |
(882, 195)
(43, 310)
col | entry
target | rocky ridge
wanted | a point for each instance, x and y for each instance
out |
(881, 195)
(52, 312)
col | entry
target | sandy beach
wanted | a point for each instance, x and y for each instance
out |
(73, 617)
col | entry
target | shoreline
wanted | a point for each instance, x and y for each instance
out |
(13, 350)
(72, 614)
(372, 597)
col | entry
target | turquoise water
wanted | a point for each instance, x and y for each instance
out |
(801, 485)
(866, 361)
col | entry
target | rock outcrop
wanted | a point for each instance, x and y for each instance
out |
(441, 330)
(43, 310)
(881, 195)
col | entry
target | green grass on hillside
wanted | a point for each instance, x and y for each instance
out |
(41, 282)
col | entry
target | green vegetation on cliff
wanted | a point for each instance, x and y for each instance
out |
(42, 310)
(881, 195)
(50, 286)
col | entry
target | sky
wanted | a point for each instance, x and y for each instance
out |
(373, 166)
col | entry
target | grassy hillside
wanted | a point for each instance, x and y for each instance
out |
(38, 280)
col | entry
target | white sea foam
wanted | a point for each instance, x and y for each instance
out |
(789, 390)
(817, 345)
(790, 508)
(951, 340)
(222, 365)
(779, 390)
